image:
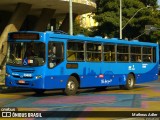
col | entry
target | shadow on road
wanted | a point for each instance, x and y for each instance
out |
(5, 90)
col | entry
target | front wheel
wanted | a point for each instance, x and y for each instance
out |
(130, 82)
(72, 86)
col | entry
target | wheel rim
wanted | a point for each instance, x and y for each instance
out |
(71, 85)
(130, 82)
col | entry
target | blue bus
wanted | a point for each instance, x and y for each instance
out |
(159, 63)
(48, 60)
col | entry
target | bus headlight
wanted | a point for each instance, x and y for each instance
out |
(38, 76)
(8, 75)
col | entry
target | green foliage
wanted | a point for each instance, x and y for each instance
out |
(80, 30)
(149, 2)
(135, 14)
(155, 36)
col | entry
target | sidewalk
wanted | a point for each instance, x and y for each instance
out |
(2, 81)
(2, 87)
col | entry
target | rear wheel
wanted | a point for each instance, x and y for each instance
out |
(129, 83)
(72, 86)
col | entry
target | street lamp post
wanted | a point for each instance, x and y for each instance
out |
(129, 19)
(134, 15)
(70, 18)
(120, 19)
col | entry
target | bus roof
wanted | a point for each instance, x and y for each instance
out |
(81, 37)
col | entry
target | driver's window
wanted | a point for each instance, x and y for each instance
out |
(55, 53)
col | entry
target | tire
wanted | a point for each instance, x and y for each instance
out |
(72, 86)
(130, 82)
(39, 91)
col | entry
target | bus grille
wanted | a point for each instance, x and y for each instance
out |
(16, 76)
(23, 71)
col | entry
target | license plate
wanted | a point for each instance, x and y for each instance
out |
(21, 81)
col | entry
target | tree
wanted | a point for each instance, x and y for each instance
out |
(155, 36)
(107, 15)
(149, 2)
(80, 30)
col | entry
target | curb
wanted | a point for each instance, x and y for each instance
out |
(3, 88)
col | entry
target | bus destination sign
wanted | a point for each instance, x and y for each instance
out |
(24, 36)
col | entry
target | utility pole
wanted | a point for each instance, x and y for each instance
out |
(70, 18)
(120, 20)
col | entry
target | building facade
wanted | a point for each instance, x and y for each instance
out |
(35, 15)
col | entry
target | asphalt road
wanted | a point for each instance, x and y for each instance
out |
(144, 97)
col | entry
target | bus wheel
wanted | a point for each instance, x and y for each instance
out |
(129, 83)
(39, 91)
(72, 86)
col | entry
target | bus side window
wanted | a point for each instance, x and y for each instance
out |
(125, 58)
(122, 53)
(147, 54)
(89, 56)
(59, 52)
(97, 57)
(93, 52)
(71, 56)
(75, 51)
(109, 52)
(139, 59)
(136, 53)
(55, 53)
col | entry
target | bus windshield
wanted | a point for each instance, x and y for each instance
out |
(26, 54)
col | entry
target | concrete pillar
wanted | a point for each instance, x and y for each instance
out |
(4, 19)
(44, 19)
(65, 24)
(29, 23)
(14, 24)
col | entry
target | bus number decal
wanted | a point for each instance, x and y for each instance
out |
(144, 65)
(131, 67)
(27, 75)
